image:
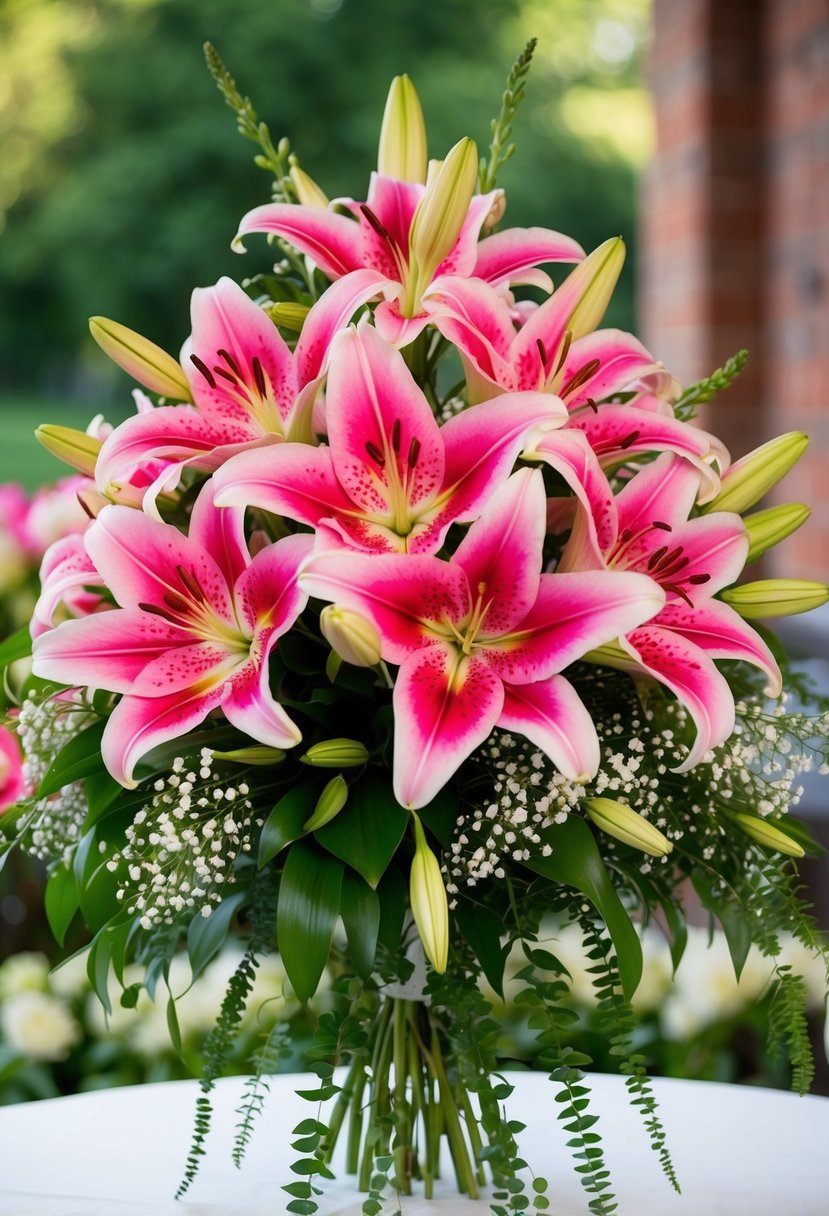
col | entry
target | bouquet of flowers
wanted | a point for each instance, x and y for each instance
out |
(405, 618)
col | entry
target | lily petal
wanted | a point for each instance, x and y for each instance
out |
(267, 593)
(332, 242)
(503, 258)
(108, 650)
(553, 716)
(138, 724)
(251, 708)
(723, 634)
(445, 705)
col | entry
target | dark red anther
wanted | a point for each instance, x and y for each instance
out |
(220, 371)
(657, 523)
(580, 377)
(592, 405)
(395, 435)
(625, 535)
(678, 591)
(657, 556)
(177, 602)
(699, 579)
(375, 454)
(259, 377)
(204, 369)
(374, 222)
(542, 352)
(154, 610)
(414, 452)
(565, 349)
(629, 439)
(191, 583)
(230, 361)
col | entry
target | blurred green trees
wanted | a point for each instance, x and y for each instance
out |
(122, 176)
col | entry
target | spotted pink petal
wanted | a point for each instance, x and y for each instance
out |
(65, 571)
(290, 479)
(409, 599)
(138, 724)
(393, 203)
(251, 708)
(142, 561)
(476, 319)
(504, 257)
(169, 433)
(267, 594)
(108, 650)
(332, 242)
(551, 715)
(12, 780)
(394, 328)
(332, 311)
(384, 438)
(445, 705)
(572, 614)
(501, 552)
(594, 527)
(665, 490)
(245, 370)
(219, 533)
(600, 364)
(192, 665)
(723, 634)
(690, 674)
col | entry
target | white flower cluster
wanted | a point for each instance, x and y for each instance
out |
(528, 796)
(182, 845)
(44, 728)
(35, 1023)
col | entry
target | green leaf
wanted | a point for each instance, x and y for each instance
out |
(173, 1028)
(61, 900)
(360, 910)
(16, 646)
(736, 926)
(80, 758)
(440, 816)
(394, 899)
(482, 930)
(575, 860)
(307, 910)
(368, 829)
(101, 792)
(284, 824)
(206, 934)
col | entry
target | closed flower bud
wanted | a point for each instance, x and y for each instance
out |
(430, 907)
(751, 477)
(75, 448)
(336, 753)
(771, 597)
(439, 217)
(288, 315)
(258, 755)
(767, 528)
(593, 283)
(402, 151)
(626, 825)
(330, 802)
(352, 636)
(141, 358)
(307, 191)
(768, 834)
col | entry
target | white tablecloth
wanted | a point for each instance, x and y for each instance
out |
(737, 1151)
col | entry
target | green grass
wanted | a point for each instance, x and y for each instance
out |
(22, 459)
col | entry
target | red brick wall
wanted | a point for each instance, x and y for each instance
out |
(735, 223)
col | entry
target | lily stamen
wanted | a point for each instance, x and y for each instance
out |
(204, 369)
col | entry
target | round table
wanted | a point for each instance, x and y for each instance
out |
(738, 1151)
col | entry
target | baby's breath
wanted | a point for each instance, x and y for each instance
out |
(44, 727)
(182, 845)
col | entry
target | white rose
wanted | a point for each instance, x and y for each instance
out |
(39, 1026)
(24, 972)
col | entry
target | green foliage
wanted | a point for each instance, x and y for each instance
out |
(309, 903)
(274, 1049)
(500, 148)
(789, 1029)
(705, 390)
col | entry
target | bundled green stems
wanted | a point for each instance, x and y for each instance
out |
(402, 1096)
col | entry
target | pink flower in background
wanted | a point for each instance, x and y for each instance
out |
(12, 782)
(392, 480)
(67, 576)
(481, 638)
(55, 512)
(646, 528)
(196, 622)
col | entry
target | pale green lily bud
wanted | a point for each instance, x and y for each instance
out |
(768, 528)
(625, 824)
(141, 358)
(767, 834)
(330, 802)
(352, 636)
(427, 895)
(75, 448)
(439, 217)
(402, 151)
(753, 475)
(596, 277)
(336, 753)
(776, 597)
(307, 190)
(288, 315)
(259, 755)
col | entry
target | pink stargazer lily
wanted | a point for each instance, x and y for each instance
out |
(392, 480)
(196, 622)
(249, 389)
(542, 355)
(376, 242)
(646, 528)
(481, 638)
